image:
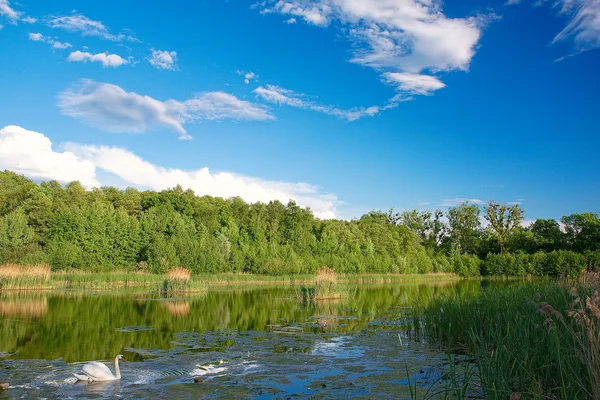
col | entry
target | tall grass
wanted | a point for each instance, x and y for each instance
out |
(177, 279)
(530, 340)
(13, 276)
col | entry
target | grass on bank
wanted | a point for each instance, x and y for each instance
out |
(40, 276)
(529, 341)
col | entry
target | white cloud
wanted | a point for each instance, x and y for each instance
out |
(138, 172)
(111, 108)
(248, 76)
(7, 11)
(38, 37)
(163, 59)
(512, 2)
(29, 20)
(584, 26)
(458, 201)
(401, 39)
(106, 59)
(87, 27)
(315, 12)
(61, 45)
(403, 35)
(281, 96)
(414, 83)
(290, 21)
(30, 153)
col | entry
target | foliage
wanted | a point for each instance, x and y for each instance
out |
(529, 340)
(107, 229)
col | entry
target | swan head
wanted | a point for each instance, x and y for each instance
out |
(121, 357)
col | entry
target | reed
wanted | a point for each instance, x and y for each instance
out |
(13, 276)
(529, 340)
(179, 274)
(178, 279)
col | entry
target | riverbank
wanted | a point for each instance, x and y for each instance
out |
(536, 340)
(40, 277)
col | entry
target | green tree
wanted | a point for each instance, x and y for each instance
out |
(464, 227)
(504, 220)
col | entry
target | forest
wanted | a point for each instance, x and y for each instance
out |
(108, 229)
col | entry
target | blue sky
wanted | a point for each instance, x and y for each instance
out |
(342, 105)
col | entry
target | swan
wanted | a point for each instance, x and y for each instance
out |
(96, 371)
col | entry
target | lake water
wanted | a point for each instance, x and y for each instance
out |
(258, 342)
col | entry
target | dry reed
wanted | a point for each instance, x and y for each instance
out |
(39, 271)
(325, 275)
(582, 322)
(179, 274)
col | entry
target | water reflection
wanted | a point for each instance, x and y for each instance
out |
(80, 327)
(24, 306)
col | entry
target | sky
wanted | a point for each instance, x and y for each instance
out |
(344, 106)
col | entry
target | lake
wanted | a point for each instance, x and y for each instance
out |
(240, 342)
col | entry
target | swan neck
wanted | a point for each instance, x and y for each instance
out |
(117, 370)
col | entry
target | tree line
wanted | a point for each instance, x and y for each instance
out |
(106, 229)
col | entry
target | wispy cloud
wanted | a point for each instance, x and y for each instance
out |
(409, 83)
(281, 96)
(106, 59)
(111, 108)
(31, 154)
(163, 59)
(38, 37)
(290, 21)
(13, 15)
(458, 201)
(87, 27)
(7, 11)
(584, 25)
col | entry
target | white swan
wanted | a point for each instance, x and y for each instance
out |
(97, 371)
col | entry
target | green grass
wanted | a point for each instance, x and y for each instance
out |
(129, 279)
(521, 349)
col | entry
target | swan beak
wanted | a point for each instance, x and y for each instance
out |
(123, 359)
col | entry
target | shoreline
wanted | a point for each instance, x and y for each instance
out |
(136, 280)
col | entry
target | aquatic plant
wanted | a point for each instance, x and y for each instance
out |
(529, 340)
(13, 276)
(177, 279)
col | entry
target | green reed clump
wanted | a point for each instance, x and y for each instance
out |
(525, 338)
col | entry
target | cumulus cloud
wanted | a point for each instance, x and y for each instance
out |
(393, 35)
(87, 27)
(38, 37)
(29, 20)
(458, 201)
(30, 153)
(290, 21)
(111, 108)
(163, 59)
(106, 59)
(584, 25)
(281, 96)
(138, 172)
